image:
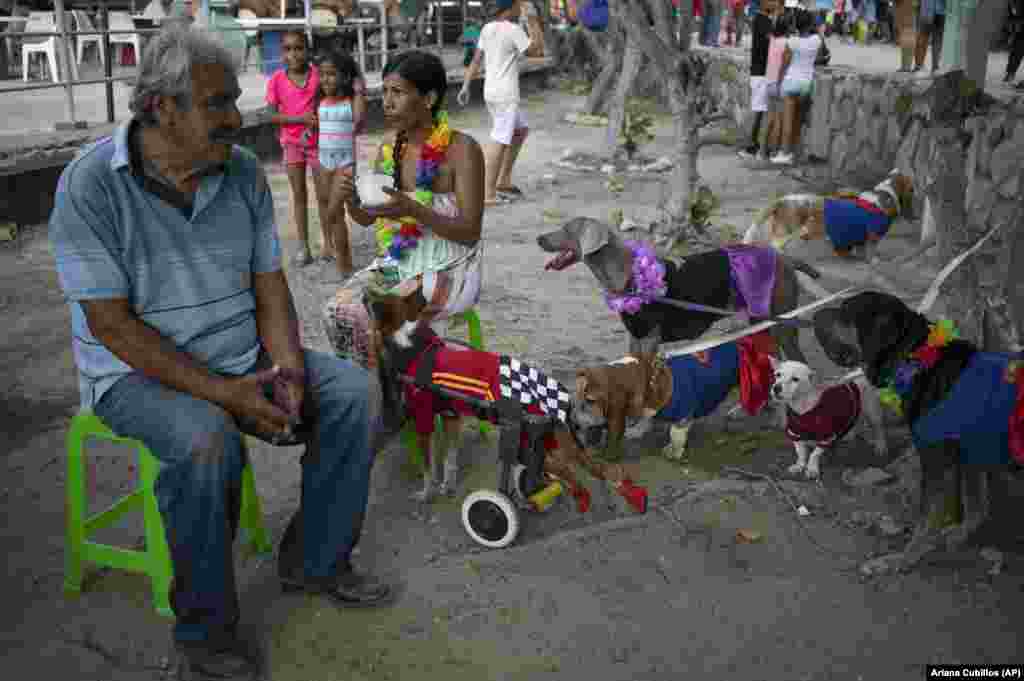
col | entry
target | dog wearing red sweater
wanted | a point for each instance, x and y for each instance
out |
(399, 332)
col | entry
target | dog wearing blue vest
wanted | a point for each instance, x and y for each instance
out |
(964, 407)
(849, 220)
(681, 390)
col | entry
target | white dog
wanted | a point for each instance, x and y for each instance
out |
(822, 415)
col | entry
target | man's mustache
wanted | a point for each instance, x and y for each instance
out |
(225, 136)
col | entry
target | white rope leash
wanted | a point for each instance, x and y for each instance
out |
(931, 295)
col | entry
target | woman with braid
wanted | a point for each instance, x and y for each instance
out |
(430, 230)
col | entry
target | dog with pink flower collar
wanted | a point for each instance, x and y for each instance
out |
(755, 280)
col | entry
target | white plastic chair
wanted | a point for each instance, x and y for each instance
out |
(83, 23)
(39, 22)
(122, 21)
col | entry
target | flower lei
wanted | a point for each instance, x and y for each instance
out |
(925, 357)
(648, 280)
(397, 238)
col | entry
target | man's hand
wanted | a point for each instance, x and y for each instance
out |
(310, 119)
(244, 399)
(289, 393)
(463, 96)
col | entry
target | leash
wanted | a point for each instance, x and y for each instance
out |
(931, 295)
(697, 307)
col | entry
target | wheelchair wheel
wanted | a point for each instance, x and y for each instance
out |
(490, 518)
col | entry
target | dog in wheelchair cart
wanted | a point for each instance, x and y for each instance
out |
(428, 376)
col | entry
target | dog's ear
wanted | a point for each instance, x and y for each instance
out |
(593, 236)
(582, 380)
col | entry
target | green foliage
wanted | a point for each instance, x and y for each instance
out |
(703, 205)
(637, 128)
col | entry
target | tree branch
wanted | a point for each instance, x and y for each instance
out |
(634, 20)
(662, 15)
(721, 140)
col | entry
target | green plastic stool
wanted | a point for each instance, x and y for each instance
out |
(476, 341)
(155, 559)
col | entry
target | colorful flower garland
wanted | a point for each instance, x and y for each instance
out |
(397, 238)
(648, 280)
(925, 357)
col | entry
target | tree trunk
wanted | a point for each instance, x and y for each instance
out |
(617, 111)
(970, 28)
(946, 188)
(684, 177)
(597, 100)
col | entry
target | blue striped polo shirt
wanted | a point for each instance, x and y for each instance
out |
(188, 278)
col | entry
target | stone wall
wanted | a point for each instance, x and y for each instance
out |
(862, 125)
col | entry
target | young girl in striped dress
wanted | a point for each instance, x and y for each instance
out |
(340, 111)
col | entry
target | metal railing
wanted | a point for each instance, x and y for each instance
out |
(67, 79)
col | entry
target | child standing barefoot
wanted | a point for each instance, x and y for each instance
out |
(291, 95)
(340, 112)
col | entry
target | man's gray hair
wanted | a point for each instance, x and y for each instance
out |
(165, 69)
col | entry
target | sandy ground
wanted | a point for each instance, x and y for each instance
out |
(608, 595)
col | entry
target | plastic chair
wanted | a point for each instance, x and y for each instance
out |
(122, 21)
(155, 559)
(83, 23)
(476, 341)
(40, 22)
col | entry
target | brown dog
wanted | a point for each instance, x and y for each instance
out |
(679, 390)
(478, 374)
(848, 219)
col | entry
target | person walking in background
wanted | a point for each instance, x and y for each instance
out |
(931, 23)
(906, 38)
(340, 111)
(291, 96)
(502, 45)
(761, 31)
(711, 23)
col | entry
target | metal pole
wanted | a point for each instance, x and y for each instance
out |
(383, 37)
(65, 57)
(307, 12)
(440, 27)
(108, 66)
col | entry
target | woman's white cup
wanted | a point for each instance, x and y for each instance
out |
(370, 188)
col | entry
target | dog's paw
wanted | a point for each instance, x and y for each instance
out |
(449, 486)
(955, 536)
(427, 494)
(673, 452)
(796, 468)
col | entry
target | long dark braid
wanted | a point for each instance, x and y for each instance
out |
(400, 141)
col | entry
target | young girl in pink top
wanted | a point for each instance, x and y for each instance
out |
(292, 96)
(773, 74)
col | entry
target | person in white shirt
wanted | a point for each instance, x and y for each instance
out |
(501, 46)
(797, 82)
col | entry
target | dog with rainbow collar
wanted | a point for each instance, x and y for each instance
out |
(964, 406)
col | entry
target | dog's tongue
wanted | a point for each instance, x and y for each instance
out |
(562, 260)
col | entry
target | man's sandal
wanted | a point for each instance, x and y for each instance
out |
(499, 200)
(347, 589)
